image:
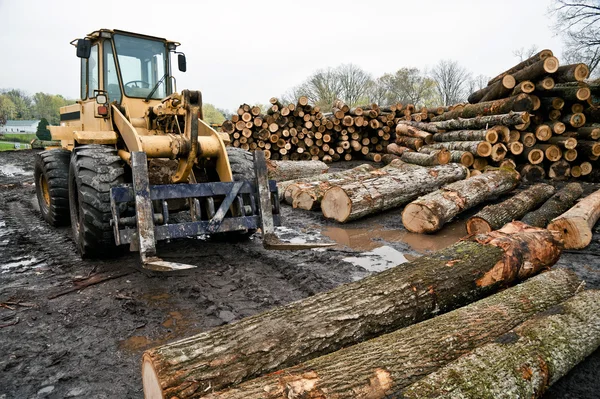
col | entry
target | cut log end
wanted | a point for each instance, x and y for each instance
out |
(152, 388)
(477, 225)
(575, 232)
(336, 205)
(419, 219)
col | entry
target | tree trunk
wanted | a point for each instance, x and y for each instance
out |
(288, 189)
(481, 148)
(374, 369)
(568, 92)
(565, 142)
(491, 136)
(559, 170)
(531, 173)
(528, 139)
(492, 217)
(557, 127)
(439, 157)
(522, 102)
(389, 158)
(536, 71)
(358, 199)
(346, 315)
(523, 64)
(555, 206)
(465, 158)
(525, 362)
(480, 122)
(499, 89)
(429, 213)
(575, 225)
(571, 73)
(290, 170)
(410, 131)
(397, 150)
(586, 168)
(524, 87)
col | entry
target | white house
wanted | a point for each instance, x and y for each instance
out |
(20, 126)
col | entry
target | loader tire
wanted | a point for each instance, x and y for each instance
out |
(51, 175)
(241, 163)
(93, 170)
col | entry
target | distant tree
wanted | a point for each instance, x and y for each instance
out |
(225, 112)
(353, 82)
(48, 106)
(211, 114)
(22, 102)
(7, 108)
(322, 88)
(377, 93)
(477, 83)
(578, 21)
(409, 86)
(42, 130)
(523, 53)
(451, 81)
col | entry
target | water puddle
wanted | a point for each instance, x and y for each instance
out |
(379, 259)
(12, 170)
(21, 264)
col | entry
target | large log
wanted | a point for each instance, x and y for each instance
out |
(429, 213)
(492, 217)
(568, 92)
(349, 314)
(392, 362)
(571, 73)
(358, 199)
(575, 225)
(524, 362)
(591, 132)
(538, 70)
(479, 122)
(499, 89)
(463, 157)
(288, 189)
(428, 127)
(559, 203)
(480, 148)
(439, 157)
(491, 136)
(290, 170)
(523, 64)
(522, 102)
(410, 131)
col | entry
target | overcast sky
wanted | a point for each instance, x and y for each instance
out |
(249, 51)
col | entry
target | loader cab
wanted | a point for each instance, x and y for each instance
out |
(130, 69)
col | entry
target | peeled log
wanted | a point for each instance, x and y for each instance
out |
(523, 64)
(290, 170)
(525, 362)
(429, 213)
(575, 225)
(557, 204)
(355, 200)
(522, 102)
(480, 148)
(491, 136)
(391, 359)
(349, 314)
(492, 217)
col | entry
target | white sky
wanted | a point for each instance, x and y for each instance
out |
(243, 51)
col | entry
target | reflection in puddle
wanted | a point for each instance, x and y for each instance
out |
(20, 263)
(12, 170)
(379, 259)
(367, 239)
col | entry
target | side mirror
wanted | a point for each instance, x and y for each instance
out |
(84, 48)
(181, 62)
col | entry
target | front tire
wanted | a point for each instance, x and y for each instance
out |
(93, 170)
(51, 174)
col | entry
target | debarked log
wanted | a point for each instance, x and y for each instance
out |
(575, 225)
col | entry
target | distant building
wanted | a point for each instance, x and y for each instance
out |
(20, 126)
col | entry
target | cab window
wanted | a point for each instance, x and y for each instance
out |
(93, 71)
(111, 78)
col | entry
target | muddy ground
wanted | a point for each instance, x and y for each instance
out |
(88, 343)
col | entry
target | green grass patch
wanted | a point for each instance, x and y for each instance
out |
(18, 138)
(6, 146)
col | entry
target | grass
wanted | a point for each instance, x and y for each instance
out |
(6, 146)
(18, 138)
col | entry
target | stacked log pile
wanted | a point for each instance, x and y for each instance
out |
(537, 116)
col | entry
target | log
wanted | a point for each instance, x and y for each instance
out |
(557, 127)
(290, 170)
(526, 87)
(439, 157)
(568, 92)
(389, 158)
(465, 158)
(565, 142)
(522, 102)
(481, 148)
(515, 148)
(559, 170)
(543, 132)
(429, 213)
(575, 120)
(329, 321)
(410, 131)
(571, 73)
(570, 155)
(531, 173)
(588, 148)
(498, 152)
(575, 225)
(545, 84)
(410, 142)
(528, 139)
(551, 152)
(586, 168)
(363, 370)
(524, 362)
(289, 188)
(355, 200)
(492, 217)
(559, 203)
(428, 127)
(480, 122)
(534, 155)
(523, 64)
(397, 150)
(537, 70)
(499, 89)
(491, 136)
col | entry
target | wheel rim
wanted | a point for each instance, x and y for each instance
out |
(45, 191)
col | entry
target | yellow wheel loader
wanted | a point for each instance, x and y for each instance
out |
(137, 164)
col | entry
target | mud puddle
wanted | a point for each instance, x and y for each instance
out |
(379, 259)
(13, 170)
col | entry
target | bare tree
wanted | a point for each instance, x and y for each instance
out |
(579, 23)
(377, 93)
(525, 53)
(451, 81)
(353, 82)
(477, 83)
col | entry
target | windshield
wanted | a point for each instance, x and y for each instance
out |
(143, 64)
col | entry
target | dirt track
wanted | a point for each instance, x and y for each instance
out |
(89, 343)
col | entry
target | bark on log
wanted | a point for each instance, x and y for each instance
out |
(428, 127)
(575, 225)
(526, 87)
(465, 158)
(492, 217)
(523, 64)
(290, 170)
(439, 157)
(539, 69)
(565, 142)
(410, 142)
(429, 213)
(559, 203)
(499, 89)
(525, 362)
(288, 189)
(480, 148)
(491, 136)
(588, 148)
(374, 369)
(410, 131)
(397, 150)
(522, 102)
(568, 92)
(355, 200)
(389, 158)
(329, 321)
(571, 73)
(480, 122)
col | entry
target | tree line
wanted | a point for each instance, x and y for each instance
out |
(16, 104)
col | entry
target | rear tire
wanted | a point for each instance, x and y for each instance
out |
(51, 174)
(93, 170)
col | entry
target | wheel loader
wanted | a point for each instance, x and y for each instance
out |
(137, 163)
